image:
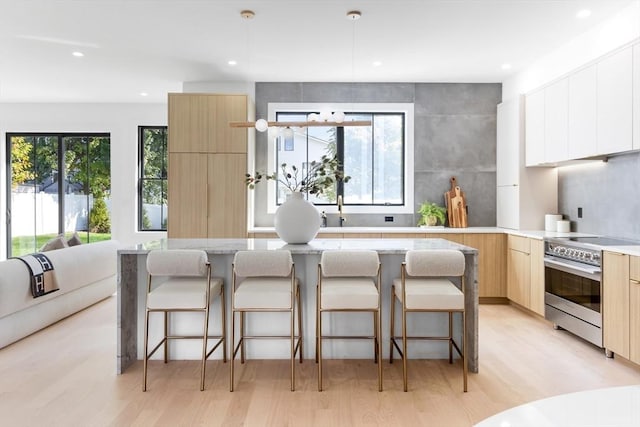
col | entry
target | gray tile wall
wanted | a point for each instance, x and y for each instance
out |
(455, 135)
(609, 195)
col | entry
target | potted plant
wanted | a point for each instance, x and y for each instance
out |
(431, 213)
(297, 220)
(321, 176)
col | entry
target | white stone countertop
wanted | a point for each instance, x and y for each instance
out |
(316, 246)
(628, 250)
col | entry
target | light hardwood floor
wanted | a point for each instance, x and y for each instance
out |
(65, 376)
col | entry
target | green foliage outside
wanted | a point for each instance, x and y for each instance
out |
(99, 221)
(23, 245)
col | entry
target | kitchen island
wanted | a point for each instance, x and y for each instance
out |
(132, 278)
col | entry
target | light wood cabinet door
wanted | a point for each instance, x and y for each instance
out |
(191, 122)
(403, 235)
(534, 128)
(230, 108)
(615, 89)
(492, 267)
(615, 302)
(187, 196)
(518, 277)
(582, 113)
(556, 118)
(634, 309)
(536, 298)
(227, 201)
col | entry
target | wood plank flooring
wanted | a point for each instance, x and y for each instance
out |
(65, 376)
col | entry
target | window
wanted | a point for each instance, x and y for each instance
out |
(152, 178)
(378, 158)
(58, 184)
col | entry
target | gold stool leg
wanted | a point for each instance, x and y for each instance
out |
(204, 348)
(166, 341)
(319, 350)
(379, 346)
(146, 351)
(242, 347)
(464, 350)
(233, 348)
(404, 345)
(300, 322)
(392, 322)
(292, 344)
(450, 337)
(223, 310)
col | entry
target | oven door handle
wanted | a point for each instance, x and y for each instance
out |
(590, 273)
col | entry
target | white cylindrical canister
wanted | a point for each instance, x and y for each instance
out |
(563, 226)
(550, 221)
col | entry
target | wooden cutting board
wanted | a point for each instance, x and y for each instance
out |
(456, 205)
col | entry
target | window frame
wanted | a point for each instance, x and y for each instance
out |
(141, 177)
(352, 108)
(61, 160)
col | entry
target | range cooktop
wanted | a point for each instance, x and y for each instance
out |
(595, 242)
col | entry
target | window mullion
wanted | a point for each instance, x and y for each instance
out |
(340, 153)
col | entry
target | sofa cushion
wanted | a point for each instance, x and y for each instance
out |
(58, 242)
(74, 240)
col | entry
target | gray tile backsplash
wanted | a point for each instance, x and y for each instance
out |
(455, 135)
(608, 193)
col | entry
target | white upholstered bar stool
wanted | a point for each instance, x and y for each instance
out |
(349, 281)
(187, 287)
(265, 281)
(425, 286)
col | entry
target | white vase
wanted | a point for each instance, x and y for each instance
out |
(297, 221)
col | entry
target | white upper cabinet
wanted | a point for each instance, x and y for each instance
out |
(508, 143)
(534, 128)
(582, 113)
(556, 113)
(614, 103)
(636, 97)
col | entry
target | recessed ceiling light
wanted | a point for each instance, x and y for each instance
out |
(232, 62)
(144, 94)
(584, 13)
(506, 66)
(78, 54)
(377, 63)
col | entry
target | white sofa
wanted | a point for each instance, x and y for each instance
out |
(85, 275)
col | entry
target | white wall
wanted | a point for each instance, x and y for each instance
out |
(617, 31)
(119, 120)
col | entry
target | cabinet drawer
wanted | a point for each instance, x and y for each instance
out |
(634, 268)
(520, 244)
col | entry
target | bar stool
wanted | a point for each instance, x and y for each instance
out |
(265, 281)
(187, 287)
(349, 281)
(424, 286)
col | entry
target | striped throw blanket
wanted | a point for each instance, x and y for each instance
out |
(43, 278)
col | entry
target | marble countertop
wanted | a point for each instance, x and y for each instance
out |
(316, 246)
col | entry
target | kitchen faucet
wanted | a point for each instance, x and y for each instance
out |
(340, 211)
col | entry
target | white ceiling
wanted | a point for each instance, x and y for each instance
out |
(153, 46)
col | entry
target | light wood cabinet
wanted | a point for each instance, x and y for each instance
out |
(614, 91)
(227, 195)
(492, 267)
(534, 130)
(615, 302)
(519, 270)
(454, 237)
(536, 295)
(187, 195)
(199, 123)
(582, 113)
(634, 309)
(556, 119)
(207, 164)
